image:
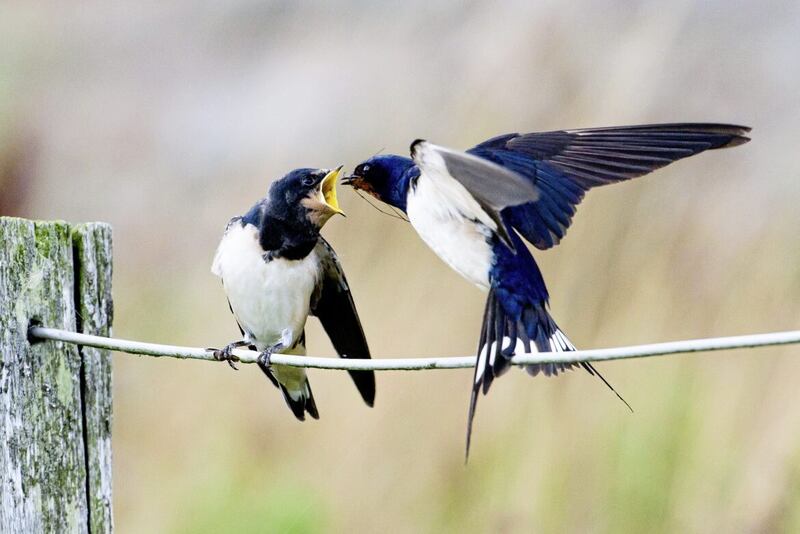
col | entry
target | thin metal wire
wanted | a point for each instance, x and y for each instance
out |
(418, 364)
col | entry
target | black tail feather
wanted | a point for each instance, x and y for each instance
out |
(311, 406)
(298, 407)
(305, 402)
(503, 336)
(594, 372)
(493, 358)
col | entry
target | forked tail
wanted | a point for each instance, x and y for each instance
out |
(504, 335)
(300, 401)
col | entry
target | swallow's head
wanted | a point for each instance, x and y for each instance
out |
(308, 194)
(385, 177)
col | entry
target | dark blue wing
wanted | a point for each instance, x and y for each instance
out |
(333, 304)
(563, 165)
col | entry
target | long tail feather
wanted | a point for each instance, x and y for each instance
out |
(502, 336)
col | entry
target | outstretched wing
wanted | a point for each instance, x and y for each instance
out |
(563, 165)
(491, 187)
(333, 304)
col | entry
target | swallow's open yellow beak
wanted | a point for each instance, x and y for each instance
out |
(328, 189)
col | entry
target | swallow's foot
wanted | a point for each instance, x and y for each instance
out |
(266, 355)
(264, 358)
(284, 342)
(227, 354)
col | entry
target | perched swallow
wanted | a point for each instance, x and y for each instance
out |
(472, 207)
(277, 270)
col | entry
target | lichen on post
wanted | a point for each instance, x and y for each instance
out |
(95, 311)
(55, 399)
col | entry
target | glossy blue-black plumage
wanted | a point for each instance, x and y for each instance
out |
(518, 291)
(562, 166)
(516, 276)
(390, 178)
(286, 232)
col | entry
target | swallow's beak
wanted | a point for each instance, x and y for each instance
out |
(328, 189)
(348, 180)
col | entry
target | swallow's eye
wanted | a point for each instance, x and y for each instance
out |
(309, 180)
(362, 169)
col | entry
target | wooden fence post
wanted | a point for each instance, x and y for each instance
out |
(55, 398)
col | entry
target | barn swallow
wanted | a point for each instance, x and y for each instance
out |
(473, 208)
(277, 270)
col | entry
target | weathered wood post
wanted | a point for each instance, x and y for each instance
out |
(55, 398)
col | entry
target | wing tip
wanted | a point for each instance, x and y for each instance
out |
(736, 141)
(364, 382)
(367, 390)
(737, 132)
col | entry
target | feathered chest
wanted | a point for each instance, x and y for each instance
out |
(267, 296)
(450, 222)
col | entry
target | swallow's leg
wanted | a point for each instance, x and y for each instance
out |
(227, 355)
(284, 342)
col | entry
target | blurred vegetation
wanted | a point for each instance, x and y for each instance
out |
(167, 119)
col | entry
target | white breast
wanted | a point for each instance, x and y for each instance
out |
(266, 297)
(443, 214)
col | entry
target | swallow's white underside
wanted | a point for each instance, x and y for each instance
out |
(453, 225)
(270, 299)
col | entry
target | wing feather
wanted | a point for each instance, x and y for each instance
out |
(333, 304)
(563, 165)
(493, 187)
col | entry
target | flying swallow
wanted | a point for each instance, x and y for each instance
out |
(474, 207)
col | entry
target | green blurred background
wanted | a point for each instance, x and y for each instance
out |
(167, 119)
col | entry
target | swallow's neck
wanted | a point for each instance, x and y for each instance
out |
(397, 193)
(284, 239)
